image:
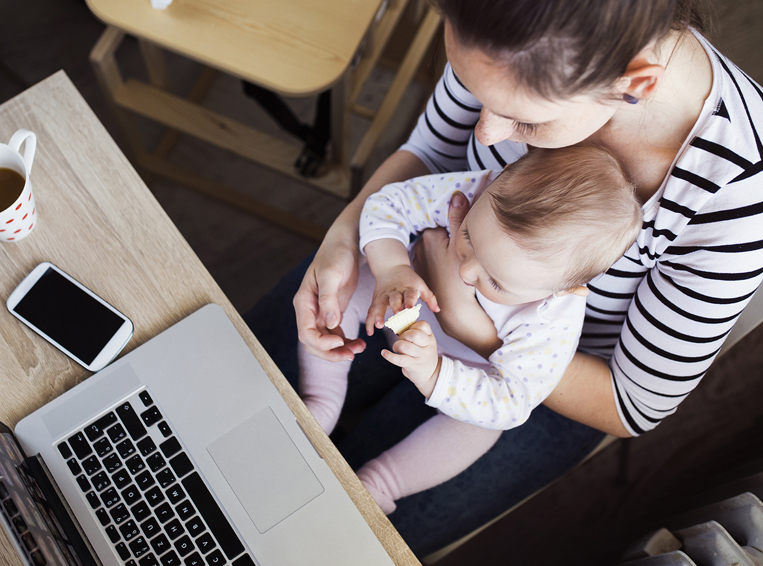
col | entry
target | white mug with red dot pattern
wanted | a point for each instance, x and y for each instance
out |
(17, 221)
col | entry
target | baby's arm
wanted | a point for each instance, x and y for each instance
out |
(397, 285)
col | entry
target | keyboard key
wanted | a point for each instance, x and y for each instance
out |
(144, 480)
(151, 416)
(131, 563)
(92, 498)
(102, 446)
(84, 485)
(130, 494)
(139, 547)
(10, 507)
(20, 524)
(101, 481)
(170, 559)
(126, 448)
(110, 497)
(140, 511)
(119, 513)
(205, 543)
(165, 477)
(124, 553)
(129, 530)
(146, 446)
(154, 496)
(185, 510)
(181, 464)
(74, 467)
(91, 465)
(131, 421)
(121, 478)
(65, 451)
(195, 527)
(135, 464)
(170, 447)
(112, 463)
(95, 430)
(80, 445)
(155, 462)
(116, 433)
(184, 546)
(215, 558)
(146, 398)
(164, 512)
(160, 544)
(103, 517)
(175, 494)
(149, 560)
(194, 559)
(113, 533)
(174, 529)
(165, 429)
(213, 516)
(150, 527)
(244, 560)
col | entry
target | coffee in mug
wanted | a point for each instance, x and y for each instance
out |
(18, 214)
(11, 185)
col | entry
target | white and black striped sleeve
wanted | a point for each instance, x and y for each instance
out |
(443, 131)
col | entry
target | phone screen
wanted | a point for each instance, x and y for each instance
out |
(69, 316)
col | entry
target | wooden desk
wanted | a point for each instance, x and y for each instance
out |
(99, 222)
(292, 47)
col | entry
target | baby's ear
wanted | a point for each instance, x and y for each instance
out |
(579, 290)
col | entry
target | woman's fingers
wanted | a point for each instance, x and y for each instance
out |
(457, 210)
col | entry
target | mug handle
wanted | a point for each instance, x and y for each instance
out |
(30, 138)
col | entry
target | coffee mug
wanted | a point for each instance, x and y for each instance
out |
(18, 214)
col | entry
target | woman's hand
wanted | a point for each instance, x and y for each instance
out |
(323, 296)
(436, 261)
(331, 279)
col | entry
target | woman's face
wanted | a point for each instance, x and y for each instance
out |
(512, 112)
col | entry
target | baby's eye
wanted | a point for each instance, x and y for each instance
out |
(465, 234)
(495, 284)
(525, 128)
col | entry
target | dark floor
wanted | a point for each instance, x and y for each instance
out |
(591, 514)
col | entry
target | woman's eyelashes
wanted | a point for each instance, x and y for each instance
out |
(524, 128)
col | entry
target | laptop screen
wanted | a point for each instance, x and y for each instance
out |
(27, 514)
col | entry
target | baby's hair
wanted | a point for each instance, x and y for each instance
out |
(573, 205)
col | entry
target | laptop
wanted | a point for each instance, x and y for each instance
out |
(180, 453)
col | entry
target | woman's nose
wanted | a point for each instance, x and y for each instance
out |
(492, 129)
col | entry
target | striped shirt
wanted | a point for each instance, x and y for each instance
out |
(661, 313)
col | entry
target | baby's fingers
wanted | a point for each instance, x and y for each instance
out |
(397, 359)
(431, 301)
(410, 298)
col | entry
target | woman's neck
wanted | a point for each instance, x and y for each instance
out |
(647, 136)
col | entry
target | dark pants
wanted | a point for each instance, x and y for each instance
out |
(383, 407)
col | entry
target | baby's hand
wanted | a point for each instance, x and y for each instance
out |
(397, 288)
(417, 355)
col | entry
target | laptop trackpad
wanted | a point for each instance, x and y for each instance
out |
(265, 470)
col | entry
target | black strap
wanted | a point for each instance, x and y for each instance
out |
(316, 137)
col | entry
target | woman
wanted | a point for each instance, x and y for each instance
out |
(635, 76)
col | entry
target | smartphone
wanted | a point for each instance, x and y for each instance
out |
(70, 316)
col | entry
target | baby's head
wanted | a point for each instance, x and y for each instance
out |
(548, 224)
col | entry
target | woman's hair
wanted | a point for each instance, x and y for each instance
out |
(572, 206)
(559, 48)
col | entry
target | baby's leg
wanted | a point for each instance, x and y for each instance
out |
(322, 384)
(435, 452)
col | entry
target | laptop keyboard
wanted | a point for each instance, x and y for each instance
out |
(146, 493)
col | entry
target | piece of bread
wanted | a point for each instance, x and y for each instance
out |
(403, 320)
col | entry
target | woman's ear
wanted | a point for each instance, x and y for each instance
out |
(642, 77)
(579, 290)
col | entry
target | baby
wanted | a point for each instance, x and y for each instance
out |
(536, 233)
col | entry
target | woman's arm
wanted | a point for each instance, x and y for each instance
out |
(331, 279)
(585, 395)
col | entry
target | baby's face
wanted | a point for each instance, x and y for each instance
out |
(496, 266)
